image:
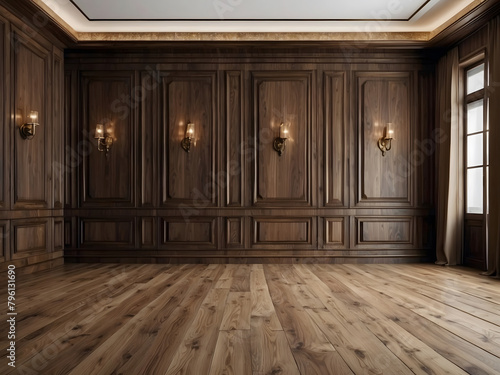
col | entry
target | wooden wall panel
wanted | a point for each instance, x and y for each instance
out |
(57, 168)
(234, 139)
(384, 230)
(31, 90)
(335, 232)
(148, 232)
(282, 97)
(235, 232)
(384, 98)
(199, 232)
(58, 234)
(4, 152)
(107, 233)
(31, 238)
(335, 138)
(147, 157)
(187, 177)
(280, 232)
(108, 180)
(4, 236)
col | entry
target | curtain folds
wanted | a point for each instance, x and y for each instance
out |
(450, 208)
(494, 121)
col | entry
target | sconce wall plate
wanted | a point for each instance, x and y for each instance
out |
(28, 129)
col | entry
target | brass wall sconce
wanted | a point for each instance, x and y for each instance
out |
(186, 142)
(385, 142)
(27, 130)
(104, 140)
(280, 142)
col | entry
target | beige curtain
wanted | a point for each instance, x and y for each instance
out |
(494, 121)
(450, 210)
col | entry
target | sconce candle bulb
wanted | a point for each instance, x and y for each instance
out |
(280, 142)
(104, 140)
(27, 130)
(186, 142)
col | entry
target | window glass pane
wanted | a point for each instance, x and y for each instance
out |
(475, 79)
(475, 117)
(475, 191)
(475, 150)
(487, 148)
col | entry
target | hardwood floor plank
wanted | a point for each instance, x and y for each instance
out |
(237, 312)
(270, 351)
(232, 354)
(196, 351)
(257, 319)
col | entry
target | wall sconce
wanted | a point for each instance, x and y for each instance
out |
(280, 142)
(186, 142)
(28, 130)
(385, 142)
(104, 140)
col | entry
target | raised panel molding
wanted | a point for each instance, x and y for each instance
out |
(58, 167)
(108, 99)
(30, 238)
(335, 138)
(382, 98)
(4, 240)
(30, 89)
(235, 232)
(4, 152)
(148, 232)
(107, 233)
(335, 232)
(283, 232)
(235, 144)
(58, 235)
(282, 97)
(188, 178)
(198, 233)
(383, 231)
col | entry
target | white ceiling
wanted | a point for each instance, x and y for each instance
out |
(261, 16)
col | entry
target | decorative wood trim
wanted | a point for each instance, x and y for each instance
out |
(30, 237)
(283, 232)
(235, 232)
(367, 226)
(178, 232)
(107, 233)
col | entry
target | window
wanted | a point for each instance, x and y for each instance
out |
(476, 140)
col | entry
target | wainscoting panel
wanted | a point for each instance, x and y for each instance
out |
(108, 179)
(187, 177)
(198, 233)
(283, 232)
(107, 233)
(31, 238)
(384, 98)
(31, 88)
(282, 97)
(375, 231)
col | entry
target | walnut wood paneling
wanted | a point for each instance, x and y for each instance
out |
(107, 233)
(199, 231)
(4, 152)
(335, 138)
(234, 139)
(58, 168)
(384, 230)
(282, 97)
(58, 235)
(31, 90)
(235, 231)
(31, 238)
(147, 156)
(280, 232)
(188, 177)
(108, 99)
(335, 232)
(384, 98)
(148, 232)
(474, 254)
(4, 236)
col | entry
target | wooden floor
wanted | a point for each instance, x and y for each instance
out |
(256, 319)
